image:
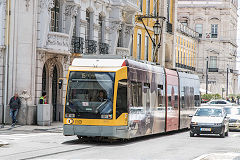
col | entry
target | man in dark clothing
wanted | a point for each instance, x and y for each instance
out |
(14, 104)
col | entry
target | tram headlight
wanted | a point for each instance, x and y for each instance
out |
(70, 115)
(194, 123)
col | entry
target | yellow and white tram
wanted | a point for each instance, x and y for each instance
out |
(121, 98)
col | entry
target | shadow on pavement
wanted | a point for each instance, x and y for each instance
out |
(108, 142)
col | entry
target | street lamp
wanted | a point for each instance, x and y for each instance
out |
(157, 28)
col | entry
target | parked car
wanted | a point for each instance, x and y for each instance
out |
(209, 120)
(233, 113)
(218, 102)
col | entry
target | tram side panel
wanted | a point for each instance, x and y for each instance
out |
(172, 100)
(187, 102)
(144, 116)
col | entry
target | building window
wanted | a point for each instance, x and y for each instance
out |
(153, 48)
(101, 29)
(55, 16)
(131, 48)
(214, 30)
(199, 29)
(146, 47)
(148, 7)
(213, 62)
(139, 45)
(141, 5)
(88, 24)
(120, 38)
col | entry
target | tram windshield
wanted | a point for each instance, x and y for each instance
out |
(90, 95)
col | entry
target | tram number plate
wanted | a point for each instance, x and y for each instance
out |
(205, 129)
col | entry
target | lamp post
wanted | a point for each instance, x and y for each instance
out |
(157, 29)
(227, 82)
(207, 77)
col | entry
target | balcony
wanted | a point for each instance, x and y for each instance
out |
(129, 5)
(122, 51)
(77, 45)
(188, 31)
(91, 46)
(103, 48)
(212, 69)
(169, 28)
(58, 42)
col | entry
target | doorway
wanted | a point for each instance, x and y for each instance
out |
(54, 93)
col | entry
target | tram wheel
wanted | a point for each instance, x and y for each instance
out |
(191, 134)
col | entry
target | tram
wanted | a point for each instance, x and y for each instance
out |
(122, 98)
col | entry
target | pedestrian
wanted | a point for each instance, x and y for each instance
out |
(43, 98)
(14, 104)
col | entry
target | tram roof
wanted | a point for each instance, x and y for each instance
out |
(82, 62)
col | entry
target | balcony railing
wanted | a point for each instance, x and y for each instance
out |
(212, 69)
(103, 48)
(169, 27)
(91, 46)
(188, 31)
(122, 51)
(77, 45)
(185, 66)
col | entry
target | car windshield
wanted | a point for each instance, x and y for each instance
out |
(209, 112)
(90, 94)
(232, 111)
(218, 102)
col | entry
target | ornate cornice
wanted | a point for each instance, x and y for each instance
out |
(46, 4)
(71, 10)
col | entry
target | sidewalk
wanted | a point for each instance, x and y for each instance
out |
(55, 127)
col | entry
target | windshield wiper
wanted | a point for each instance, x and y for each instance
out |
(98, 109)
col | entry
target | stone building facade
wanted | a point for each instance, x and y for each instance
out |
(216, 23)
(45, 35)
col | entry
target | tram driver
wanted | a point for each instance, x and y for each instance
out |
(100, 97)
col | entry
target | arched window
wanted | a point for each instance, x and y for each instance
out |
(101, 29)
(88, 24)
(55, 16)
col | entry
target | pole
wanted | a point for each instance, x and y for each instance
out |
(156, 47)
(207, 77)
(6, 62)
(227, 83)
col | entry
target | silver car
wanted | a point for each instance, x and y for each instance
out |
(218, 102)
(209, 120)
(233, 113)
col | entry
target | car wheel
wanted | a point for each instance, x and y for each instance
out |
(191, 134)
(226, 133)
(222, 135)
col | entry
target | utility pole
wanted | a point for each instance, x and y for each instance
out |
(207, 77)
(227, 82)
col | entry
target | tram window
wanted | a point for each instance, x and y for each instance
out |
(139, 94)
(121, 98)
(160, 95)
(147, 90)
(136, 94)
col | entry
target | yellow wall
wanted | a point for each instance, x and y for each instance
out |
(188, 47)
(139, 28)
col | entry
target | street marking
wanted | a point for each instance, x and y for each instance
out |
(235, 135)
(219, 156)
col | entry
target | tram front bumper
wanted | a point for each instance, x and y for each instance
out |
(96, 131)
